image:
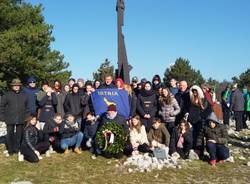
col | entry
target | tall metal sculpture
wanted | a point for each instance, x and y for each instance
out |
(123, 66)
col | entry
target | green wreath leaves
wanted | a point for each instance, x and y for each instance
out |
(120, 138)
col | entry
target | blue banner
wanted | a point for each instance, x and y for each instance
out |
(102, 98)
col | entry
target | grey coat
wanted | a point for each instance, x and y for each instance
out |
(238, 102)
(169, 111)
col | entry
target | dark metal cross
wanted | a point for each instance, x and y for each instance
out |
(123, 66)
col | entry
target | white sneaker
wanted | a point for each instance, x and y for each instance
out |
(51, 151)
(20, 157)
(47, 154)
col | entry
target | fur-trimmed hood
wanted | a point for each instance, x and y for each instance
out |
(199, 90)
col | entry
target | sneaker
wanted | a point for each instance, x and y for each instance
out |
(66, 151)
(20, 157)
(51, 150)
(47, 154)
(77, 150)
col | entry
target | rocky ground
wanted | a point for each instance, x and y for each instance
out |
(73, 168)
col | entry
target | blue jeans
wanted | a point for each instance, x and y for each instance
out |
(217, 151)
(75, 140)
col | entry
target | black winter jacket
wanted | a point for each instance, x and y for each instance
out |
(14, 107)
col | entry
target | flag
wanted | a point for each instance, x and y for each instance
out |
(102, 98)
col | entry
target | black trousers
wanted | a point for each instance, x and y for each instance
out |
(246, 117)
(226, 116)
(239, 120)
(144, 148)
(170, 126)
(13, 139)
(30, 155)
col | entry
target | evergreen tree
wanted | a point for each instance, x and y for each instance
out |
(25, 40)
(104, 70)
(182, 70)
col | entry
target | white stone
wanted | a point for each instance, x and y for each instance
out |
(248, 164)
(193, 155)
(230, 159)
(242, 158)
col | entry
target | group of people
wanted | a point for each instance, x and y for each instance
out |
(176, 117)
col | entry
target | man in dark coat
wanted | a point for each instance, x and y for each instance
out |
(238, 107)
(108, 83)
(14, 109)
(31, 90)
(112, 115)
(183, 100)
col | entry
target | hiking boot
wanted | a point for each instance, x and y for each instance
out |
(212, 163)
(77, 150)
(66, 151)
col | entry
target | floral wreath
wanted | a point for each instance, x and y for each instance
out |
(111, 138)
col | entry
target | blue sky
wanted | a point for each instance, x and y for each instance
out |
(213, 34)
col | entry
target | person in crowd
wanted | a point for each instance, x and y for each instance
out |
(225, 104)
(33, 144)
(147, 105)
(47, 104)
(73, 103)
(119, 83)
(156, 83)
(51, 131)
(183, 99)
(138, 141)
(108, 83)
(216, 138)
(112, 115)
(134, 85)
(71, 82)
(14, 109)
(87, 102)
(97, 83)
(143, 82)
(169, 108)
(158, 135)
(173, 86)
(66, 88)
(182, 139)
(199, 110)
(238, 107)
(31, 90)
(246, 94)
(132, 99)
(60, 95)
(71, 136)
(208, 94)
(81, 85)
(90, 130)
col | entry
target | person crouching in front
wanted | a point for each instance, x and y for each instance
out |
(33, 144)
(216, 138)
(71, 134)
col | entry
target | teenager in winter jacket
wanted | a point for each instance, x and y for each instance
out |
(147, 105)
(60, 95)
(73, 103)
(52, 131)
(14, 109)
(158, 135)
(216, 139)
(47, 105)
(182, 139)
(199, 110)
(71, 134)
(132, 99)
(169, 108)
(225, 104)
(33, 144)
(138, 141)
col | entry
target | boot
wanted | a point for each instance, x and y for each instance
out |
(77, 150)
